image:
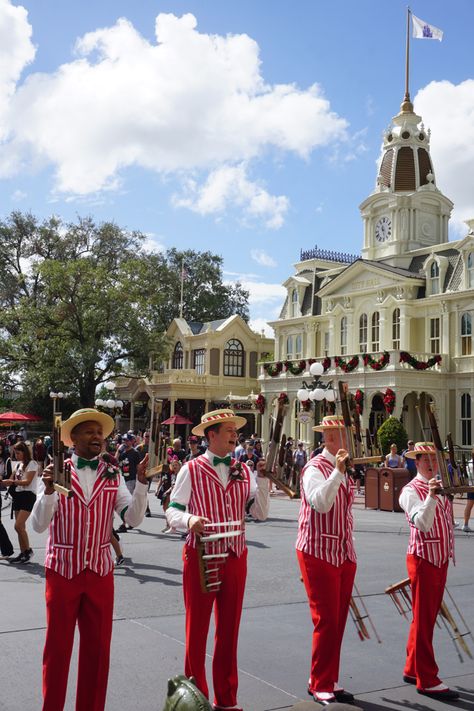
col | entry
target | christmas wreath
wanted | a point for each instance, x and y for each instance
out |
(260, 403)
(326, 363)
(377, 363)
(295, 368)
(283, 399)
(406, 357)
(389, 400)
(273, 369)
(359, 400)
(347, 366)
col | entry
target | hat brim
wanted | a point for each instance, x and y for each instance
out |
(323, 428)
(200, 429)
(105, 420)
(411, 454)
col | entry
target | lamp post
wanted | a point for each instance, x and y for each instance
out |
(316, 390)
(55, 397)
(115, 406)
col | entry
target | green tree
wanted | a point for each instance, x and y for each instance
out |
(392, 432)
(82, 303)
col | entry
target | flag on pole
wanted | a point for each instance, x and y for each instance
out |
(422, 30)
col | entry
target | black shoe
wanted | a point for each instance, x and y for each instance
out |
(148, 513)
(344, 697)
(409, 679)
(122, 528)
(17, 558)
(443, 695)
(26, 558)
(120, 560)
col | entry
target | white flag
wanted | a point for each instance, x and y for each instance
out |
(422, 30)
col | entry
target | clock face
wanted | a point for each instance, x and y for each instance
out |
(383, 229)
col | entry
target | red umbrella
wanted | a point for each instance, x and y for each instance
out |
(18, 417)
(177, 420)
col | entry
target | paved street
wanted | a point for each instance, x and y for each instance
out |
(147, 645)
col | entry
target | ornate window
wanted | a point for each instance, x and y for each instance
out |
(343, 348)
(435, 344)
(199, 360)
(294, 303)
(466, 334)
(363, 333)
(466, 424)
(234, 358)
(299, 347)
(470, 270)
(375, 332)
(396, 329)
(178, 357)
(434, 278)
(289, 347)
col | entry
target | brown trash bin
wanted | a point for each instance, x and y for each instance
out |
(391, 482)
(371, 478)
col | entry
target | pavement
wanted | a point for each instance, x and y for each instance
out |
(275, 634)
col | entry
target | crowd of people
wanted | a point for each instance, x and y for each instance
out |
(208, 488)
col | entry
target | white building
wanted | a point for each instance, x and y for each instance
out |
(407, 303)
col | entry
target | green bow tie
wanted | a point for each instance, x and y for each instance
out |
(222, 460)
(92, 463)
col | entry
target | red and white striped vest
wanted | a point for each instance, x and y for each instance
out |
(79, 532)
(209, 498)
(436, 546)
(327, 536)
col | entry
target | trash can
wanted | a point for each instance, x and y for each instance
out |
(372, 488)
(391, 482)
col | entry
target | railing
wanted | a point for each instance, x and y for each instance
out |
(328, 255)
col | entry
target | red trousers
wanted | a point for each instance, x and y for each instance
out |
(427, 589)
(87, 599)
(329, 591)
(227, 603)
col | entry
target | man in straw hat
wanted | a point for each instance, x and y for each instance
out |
(430, 547)
(79, 568)
(215, 489)
(326, 557)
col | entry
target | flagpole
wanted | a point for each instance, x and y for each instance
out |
(182, 289)
(407, 59)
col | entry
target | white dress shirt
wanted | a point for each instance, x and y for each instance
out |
(47, 505)
(320, 492)
(259, 491)
(421, 513)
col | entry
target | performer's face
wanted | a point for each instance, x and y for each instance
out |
(87, 439)
(223, 440)
(427, 466)
(335, 439)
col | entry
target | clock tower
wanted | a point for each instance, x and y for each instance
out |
(406, 211)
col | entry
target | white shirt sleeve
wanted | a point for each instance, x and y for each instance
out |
(420, 512)
(177, 516)
(260, 492)
(131, 507)
(320, 492)
(43, 511)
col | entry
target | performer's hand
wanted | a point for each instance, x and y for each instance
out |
(433, 484)
(342, 458)
(8, 482)
(261, 468)
(141, 470)
(48, 480)
(196, 524)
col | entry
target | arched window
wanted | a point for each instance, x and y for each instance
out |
(363, 333)
(466, 334)
(294, 303)
(375, 335)
(466, 424)
(299, 346)
(396, 329)
(343, 347)
(434, 278)
(234, 358)
(178, 356)
(470, 270)
(289, 347)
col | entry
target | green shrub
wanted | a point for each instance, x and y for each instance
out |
(392, 432)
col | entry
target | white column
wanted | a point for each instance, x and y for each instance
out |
(172, 412)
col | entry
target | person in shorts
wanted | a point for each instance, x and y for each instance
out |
(24, 478)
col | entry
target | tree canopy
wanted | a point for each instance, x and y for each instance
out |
(83, 302)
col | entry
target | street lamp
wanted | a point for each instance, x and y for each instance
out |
(316, 390)
(115, 405)
(55, 397)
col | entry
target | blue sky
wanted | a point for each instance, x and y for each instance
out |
(249, 128)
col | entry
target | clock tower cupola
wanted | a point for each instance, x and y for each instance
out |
(406, 211)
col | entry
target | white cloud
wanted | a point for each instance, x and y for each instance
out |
(153, 243)
(188, 103)
(262, 293)
(448, 110)
(259, 324)
(18, 196)
(261, 257)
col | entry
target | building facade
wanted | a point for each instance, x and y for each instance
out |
(396, 322)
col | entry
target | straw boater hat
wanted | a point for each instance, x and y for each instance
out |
(86, 414)
(330, 422)
(421, 448)
(215, 417)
